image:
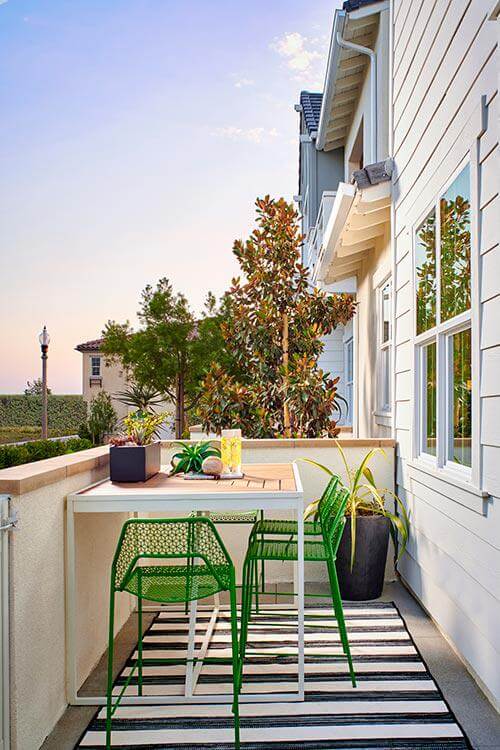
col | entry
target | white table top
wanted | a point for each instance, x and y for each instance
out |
(263, 486)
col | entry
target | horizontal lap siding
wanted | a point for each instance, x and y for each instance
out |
(444, 62)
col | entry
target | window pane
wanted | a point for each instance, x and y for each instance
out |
(386, 313)
(455, 247)
(96, 365)
(429, 400)
(460, 440)
(385, 394)
(425, 258)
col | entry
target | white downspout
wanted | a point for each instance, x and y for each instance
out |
(373, 90)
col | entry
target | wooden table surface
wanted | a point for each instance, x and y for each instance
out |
(257, 478)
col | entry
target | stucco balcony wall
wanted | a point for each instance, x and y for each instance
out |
(38, 493)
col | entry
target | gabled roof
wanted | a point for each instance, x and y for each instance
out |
(89, 346)
(311, 108)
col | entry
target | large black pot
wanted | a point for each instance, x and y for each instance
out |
(134, 463)
(366, 579)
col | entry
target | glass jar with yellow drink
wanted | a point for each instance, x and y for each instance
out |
(230, 450)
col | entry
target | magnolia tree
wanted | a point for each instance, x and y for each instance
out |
(273, 322)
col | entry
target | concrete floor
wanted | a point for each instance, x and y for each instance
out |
(474, 712)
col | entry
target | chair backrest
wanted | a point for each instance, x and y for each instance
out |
(332, 515)
(166, 538)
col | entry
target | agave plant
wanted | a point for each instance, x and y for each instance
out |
(191, 457)
(365, 498)
(143, 397)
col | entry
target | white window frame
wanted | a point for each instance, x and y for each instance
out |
(384, 410)
(349, 382)
(442, 334)
(92, 373)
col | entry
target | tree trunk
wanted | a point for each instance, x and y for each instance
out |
(284, 345)
(182, 404)
(178, 409)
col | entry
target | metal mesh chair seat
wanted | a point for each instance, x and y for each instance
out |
(177, 583)
(273, 549)
(278, 527)
(228, 516)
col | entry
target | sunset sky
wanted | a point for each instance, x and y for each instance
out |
(136, 135)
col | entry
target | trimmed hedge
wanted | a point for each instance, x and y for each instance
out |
(14, 455)
(66, 413)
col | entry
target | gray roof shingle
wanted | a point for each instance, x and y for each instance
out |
(311, 108)
(350, 5)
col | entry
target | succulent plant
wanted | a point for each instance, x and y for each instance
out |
(191, 457)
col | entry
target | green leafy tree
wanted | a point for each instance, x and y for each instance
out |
(172, 350)
(272, 323)
(102, 419)
(35, 388)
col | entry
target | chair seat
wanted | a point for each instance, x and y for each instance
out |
(273, 549)
(227, 516)
(275, 526)
(178, 583)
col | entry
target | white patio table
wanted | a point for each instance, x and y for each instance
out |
(268, 487)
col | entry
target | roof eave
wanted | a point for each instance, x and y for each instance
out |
(329, 85)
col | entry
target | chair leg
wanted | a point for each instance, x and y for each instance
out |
(139, 633)
(236, 662)
(109, 696)
(246, 604)
(256, 575)
(339, 614)
(262, 564)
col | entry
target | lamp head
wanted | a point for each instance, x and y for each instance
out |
(44, 339)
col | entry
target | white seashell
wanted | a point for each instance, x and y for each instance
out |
(212, 465)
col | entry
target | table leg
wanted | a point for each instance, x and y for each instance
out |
(188, 692)
(300, 600)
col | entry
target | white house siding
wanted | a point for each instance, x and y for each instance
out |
(444, 62)
(332, 359)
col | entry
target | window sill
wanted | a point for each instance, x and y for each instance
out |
(445, 481)
(383, 418)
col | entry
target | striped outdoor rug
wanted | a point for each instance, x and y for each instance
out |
(396, 705)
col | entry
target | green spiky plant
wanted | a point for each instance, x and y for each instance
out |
(365, 498)
(191, 457)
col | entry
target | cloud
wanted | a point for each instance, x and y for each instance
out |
(251, 135)
(304, 56)
(242, 82)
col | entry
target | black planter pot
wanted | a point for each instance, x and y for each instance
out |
(366, 579)
(135, 463)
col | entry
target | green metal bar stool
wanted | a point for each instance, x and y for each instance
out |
(230, 518)
(332, 519)
(208, 571)
(284, 527)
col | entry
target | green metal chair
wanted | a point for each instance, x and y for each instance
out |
(284, 527)
(208, 571)
(332, 520)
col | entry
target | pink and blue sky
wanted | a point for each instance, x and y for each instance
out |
(136, 135)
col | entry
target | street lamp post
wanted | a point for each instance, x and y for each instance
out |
(44, 340)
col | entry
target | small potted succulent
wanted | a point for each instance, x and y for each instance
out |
(135, 455)
(197, 460)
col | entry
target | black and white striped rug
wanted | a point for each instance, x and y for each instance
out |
(396, 705)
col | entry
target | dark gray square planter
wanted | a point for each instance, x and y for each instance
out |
(136, 463)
